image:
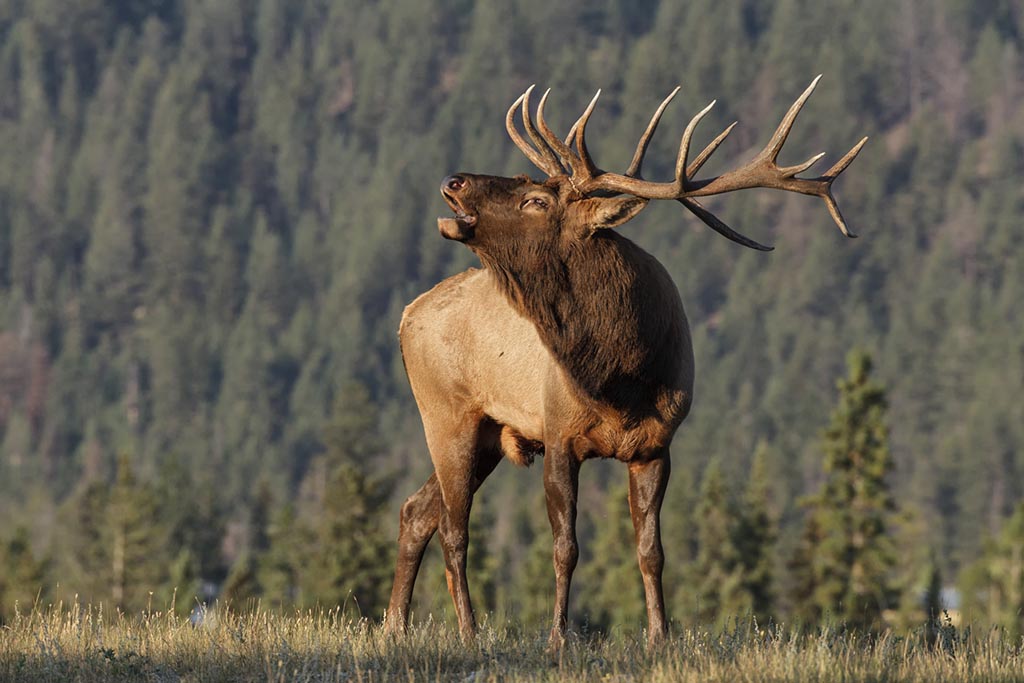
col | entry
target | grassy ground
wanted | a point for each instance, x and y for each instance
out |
(90, 645)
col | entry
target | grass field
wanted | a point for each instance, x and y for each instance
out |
(91, 645)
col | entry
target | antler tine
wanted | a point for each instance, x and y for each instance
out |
(572, 133)
(560, 148)
(677, 188)
(771, 150)
(549, 153)
(847, 159)
(830, 176)
(543, 162)
(641, 147)
(541, 145)
(692, 169)
(790, 171)
(716, 224)
(684, 145)
(581, 145)
(763, 171)
(837, 216)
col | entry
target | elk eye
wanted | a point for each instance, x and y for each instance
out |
(534, 201)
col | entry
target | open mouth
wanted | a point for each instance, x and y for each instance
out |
(460, 227)
(461, 215)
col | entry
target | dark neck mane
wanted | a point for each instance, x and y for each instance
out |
(601, 308)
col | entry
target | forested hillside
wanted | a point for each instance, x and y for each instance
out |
(213, 212)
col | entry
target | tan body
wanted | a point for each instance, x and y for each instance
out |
(494, 367)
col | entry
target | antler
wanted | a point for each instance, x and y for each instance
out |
(762, 171)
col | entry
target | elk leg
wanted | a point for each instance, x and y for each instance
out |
(457, 499)
(417, 523)
(647, 483)
(561, 487)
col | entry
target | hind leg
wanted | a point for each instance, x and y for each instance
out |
(561, 490)
(417, 523)
(647, 484)
(419, 519)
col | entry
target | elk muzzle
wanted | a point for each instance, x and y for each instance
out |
(461, 226)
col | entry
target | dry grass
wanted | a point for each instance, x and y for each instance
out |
(85, 644)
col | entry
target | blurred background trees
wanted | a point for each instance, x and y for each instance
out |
(212, 214)
(846, 564)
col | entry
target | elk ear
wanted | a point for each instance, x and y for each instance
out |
(611, 212)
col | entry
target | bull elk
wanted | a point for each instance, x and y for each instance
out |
(570, 342)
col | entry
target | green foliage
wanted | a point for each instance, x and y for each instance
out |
(212, 213)
(847, 557)
(279, 568)
(993, 586)
(533, 598)
(115, 546)
(351, 561)
(714, 583)
(756, 533)
(22, 575)
(331, 551)
(612, 596)
(731, 578)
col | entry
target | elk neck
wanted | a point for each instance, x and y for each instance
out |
(607, 311)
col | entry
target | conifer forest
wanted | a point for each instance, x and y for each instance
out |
(212, 213)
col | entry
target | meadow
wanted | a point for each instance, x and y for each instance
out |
(89, 644)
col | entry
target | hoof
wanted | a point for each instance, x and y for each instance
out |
(556, 642)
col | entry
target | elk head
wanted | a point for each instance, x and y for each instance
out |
(492, 209)
(578, 198)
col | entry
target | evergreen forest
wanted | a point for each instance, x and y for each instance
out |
(212, 213)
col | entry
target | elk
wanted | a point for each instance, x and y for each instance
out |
(571, 342)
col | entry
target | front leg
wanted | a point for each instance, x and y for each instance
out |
(453, 449)
(647, 483)
(561, 487)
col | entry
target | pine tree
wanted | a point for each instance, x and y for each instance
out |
(715, 586)
(755, 533)
(22, 575)
(803, 578)
(993, 586)
(280, 570)
(242, 583)
(917, 579)
(847, 557)
(611, 579)
(115, 548)
(934, 610)
(189, 507)
(352, 558)
(351, 565)
(536, 592)
(534, 577)
(139, 550)
(482, 559)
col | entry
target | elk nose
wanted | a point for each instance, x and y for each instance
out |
(453, 183)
